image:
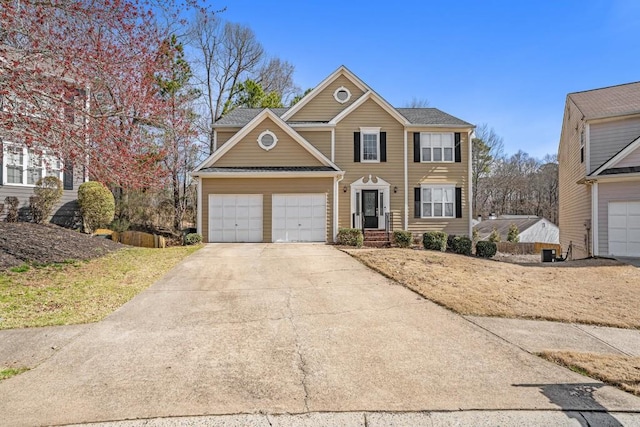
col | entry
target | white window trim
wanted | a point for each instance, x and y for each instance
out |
(270, 147)
(342, 88)
(25, 165)
(453, 148)
(442, 187)
(369, 131)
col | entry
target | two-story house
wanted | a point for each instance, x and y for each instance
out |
(599, 172)
(340, 157)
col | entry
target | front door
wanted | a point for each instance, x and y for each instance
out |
(370, 208)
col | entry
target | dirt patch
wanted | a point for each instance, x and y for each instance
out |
(24, 242)
(619, 371)
(596, 291)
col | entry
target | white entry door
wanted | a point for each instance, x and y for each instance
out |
(299, 218)
(235, 218)
(624, 229)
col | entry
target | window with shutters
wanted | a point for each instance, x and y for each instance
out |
(370, 144)
(438, 201)
(436, 147)
(25, 166)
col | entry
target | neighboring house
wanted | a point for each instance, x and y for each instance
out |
(531, 228)
(599, 172)
(341, 157)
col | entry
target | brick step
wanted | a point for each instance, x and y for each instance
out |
(376, 239)
(375, 244)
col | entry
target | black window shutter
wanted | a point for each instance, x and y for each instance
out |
(458, 202)
(417, 206)
(67, 176)
(383, 146)
(356, 146)
(458, 150)
(416, 147)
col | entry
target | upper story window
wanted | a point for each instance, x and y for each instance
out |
(24, 166)
(438, 201)
(370, 144)
(267, 140)
(342, 95)
(436, 147)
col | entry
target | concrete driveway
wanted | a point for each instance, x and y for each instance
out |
(262, 328)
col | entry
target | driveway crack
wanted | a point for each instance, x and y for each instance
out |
(302, 364)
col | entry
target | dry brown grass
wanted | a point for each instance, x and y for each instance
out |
(620, 371)
(598, 291)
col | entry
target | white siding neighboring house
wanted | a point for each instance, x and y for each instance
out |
(599, 172)
(531, 228)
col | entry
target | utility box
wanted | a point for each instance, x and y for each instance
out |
(548, 255)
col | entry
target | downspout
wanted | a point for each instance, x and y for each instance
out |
(405, 225)
(594, 219)
(200, 207)
(333, 145)
(470, 182)
(336, 181)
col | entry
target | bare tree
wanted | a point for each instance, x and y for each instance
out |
(486, 151)
(417, 103)
(276, 76)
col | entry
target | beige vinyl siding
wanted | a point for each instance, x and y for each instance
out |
(287, 151)
(574, 199)
(632, 159)
(267, 187)
(324, 107)
(612, 192)
(223, 136)
(369, 114)
(453, 173)
(319, 139)
(606, 139)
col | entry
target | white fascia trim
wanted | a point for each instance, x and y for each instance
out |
(470, 137)
(587, 147)
(310, 174)
(333, 145)
(616, 177)
(266, 113)
(406, 186)
(594, 219)
(342, 70)
(200, 207)
(378, 100)
(425, 128)
(618, 157)
(312, 126)
(215, 140)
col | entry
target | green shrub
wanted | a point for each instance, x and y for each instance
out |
(350, 237)
(192, 239)
(462, 245)
(514, 234)
(435, 240)
(494, 236)
(402, 238)
(97, 205)
(12, 203)
(486, 249)
(120, 225)
(46, 196)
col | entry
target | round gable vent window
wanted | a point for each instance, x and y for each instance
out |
(342, 94)
(267, 140)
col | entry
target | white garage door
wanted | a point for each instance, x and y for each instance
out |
(299, 218)
(235, 218)
(624, 228)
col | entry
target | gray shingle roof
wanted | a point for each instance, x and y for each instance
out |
(242, 116)
(430, 116)
(608, 101)
(239, 169)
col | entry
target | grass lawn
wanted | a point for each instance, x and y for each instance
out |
(619, 371)
(81, 292)
(598, 291)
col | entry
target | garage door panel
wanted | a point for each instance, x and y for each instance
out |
(235, 218)
(617, 209)
(633, 208)
(624, 228)
(299, 217)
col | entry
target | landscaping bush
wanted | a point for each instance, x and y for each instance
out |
(350, 237)
(120, 225)
(514, 234)
(97, 205)
(494, 236)
(12, 203)
(402, 238)
(462, 245)
(435, 240)
(46, 196)
(192, 239)
(450, 238)
(486, 249)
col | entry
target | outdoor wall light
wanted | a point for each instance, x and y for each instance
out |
(395, 189)
(344, 189)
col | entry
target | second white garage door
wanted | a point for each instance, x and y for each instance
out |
(624, 228)
(299, 217)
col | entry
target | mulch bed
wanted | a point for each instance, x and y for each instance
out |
(24, 242)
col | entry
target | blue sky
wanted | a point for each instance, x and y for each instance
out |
(509, 64)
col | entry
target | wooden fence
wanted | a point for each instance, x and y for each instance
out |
(523, 248)
(135, 238)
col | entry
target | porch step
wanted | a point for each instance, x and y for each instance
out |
(376, 238)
